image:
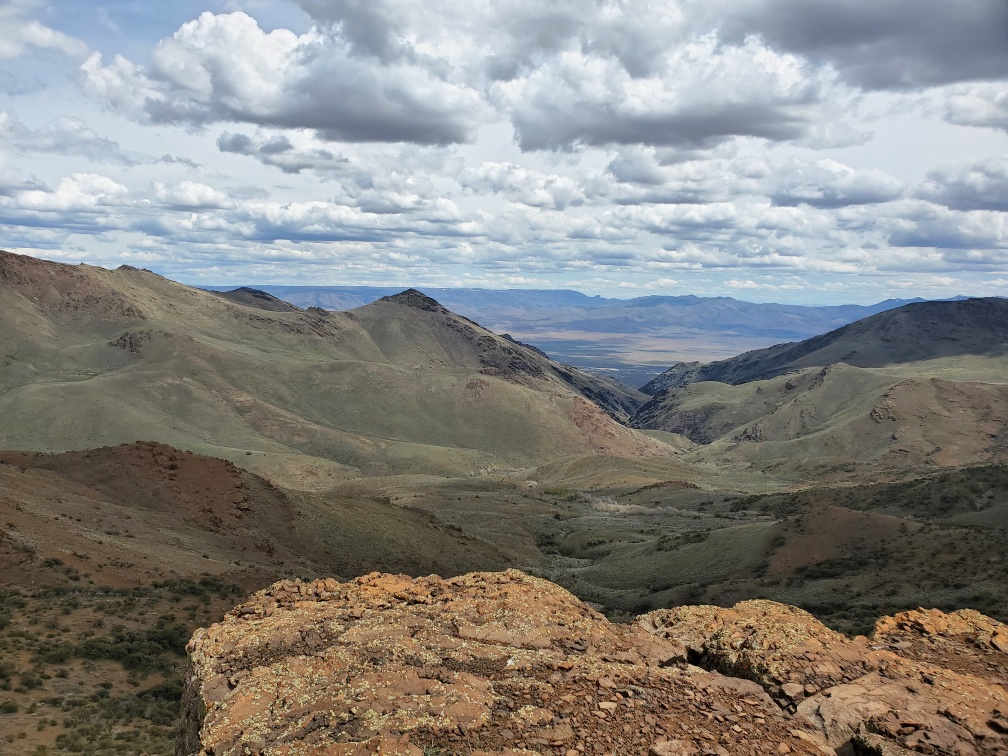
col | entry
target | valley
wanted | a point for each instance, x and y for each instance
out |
(168, 450)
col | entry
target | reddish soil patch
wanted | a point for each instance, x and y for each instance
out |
(827, 532)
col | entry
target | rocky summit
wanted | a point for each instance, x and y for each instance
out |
(504, 663)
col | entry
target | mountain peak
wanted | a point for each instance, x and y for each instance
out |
(246, 295)
(415, 298)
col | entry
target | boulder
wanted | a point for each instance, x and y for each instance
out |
(490, 663)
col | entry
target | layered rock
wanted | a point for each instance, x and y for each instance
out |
(503, 663)
(926, 682)
(486, 663)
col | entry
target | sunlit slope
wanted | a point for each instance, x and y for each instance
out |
(922, 385)
(94, 357)
(900, 417)
(912, 333)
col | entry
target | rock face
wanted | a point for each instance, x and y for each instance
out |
(503, 663)
(926, 682)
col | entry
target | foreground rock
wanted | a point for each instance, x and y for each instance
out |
(926, 682)
(503, 663)
(486, 663)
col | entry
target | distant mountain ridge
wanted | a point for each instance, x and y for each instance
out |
(631, 340)
(924, 384)
(910, 333)
(461, 300)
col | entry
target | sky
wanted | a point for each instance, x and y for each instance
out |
(771, 150)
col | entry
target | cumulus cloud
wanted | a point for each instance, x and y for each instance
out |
(225, 68)
(78, 192)
(279, 152)
(191, 195)
(62, 136)
(831, 184)
(563, 75)
(637, 166)
(981, 185)
(979, 105)
(15, 183)
(645, 177)
(618, 143)
(897, 44)
(531, 188)
(970, 238)
(82, 203)
(703, 95)
(21, 32)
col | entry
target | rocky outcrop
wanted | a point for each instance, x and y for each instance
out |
(485, 663)
(64, 292)
(926, 682)
(503, 663)
(417, 299)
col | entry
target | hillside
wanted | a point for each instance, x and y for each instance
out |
(911, 333)
(134, 514)
(94, 357)
(111, 557)
(628, 339)
(400, 437)
(917, 387)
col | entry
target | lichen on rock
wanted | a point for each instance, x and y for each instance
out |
(504, 663)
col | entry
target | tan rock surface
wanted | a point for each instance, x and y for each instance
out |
(503, 663)
(927, 682)
(784, 649)
(486, 663)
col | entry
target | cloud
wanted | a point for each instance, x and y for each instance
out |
(981, 185)
(637, 166)
(703, 95)
(87, 192)
(617, 143)
(191, 195)
(13, 182)
(62, 136)
(370, 27)
(224, 68)
(22, 33)
(896, 44)
(645, 177)
(13, 86)
(830, 184)
(563, 76)
(175, 160)
(279, 152)
(969, 238)
(979, 105)
(519, 184)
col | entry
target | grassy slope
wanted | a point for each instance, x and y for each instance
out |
(903, 417)
(389, 388)
(912, 333)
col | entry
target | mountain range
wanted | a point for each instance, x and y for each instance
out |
(166, 449)
(630, 339)
(138, 356)
(922, 384)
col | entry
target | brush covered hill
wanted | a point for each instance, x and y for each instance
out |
(922, 385)
(132, 515)
(94, 357)
(912, 333)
